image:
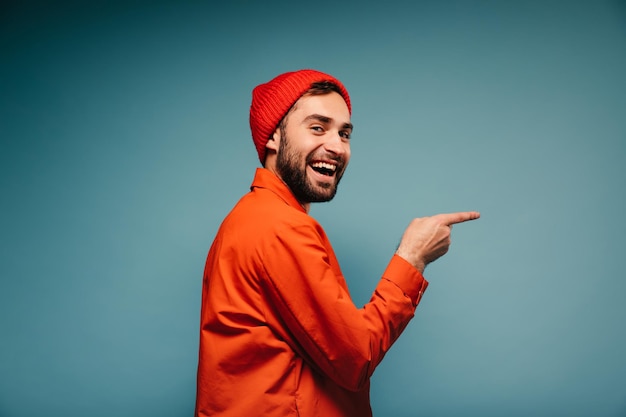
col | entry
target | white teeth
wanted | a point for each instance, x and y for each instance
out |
(324, 165)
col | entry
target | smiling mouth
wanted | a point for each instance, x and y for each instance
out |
(324, 168)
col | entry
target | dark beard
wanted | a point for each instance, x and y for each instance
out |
(287, 165)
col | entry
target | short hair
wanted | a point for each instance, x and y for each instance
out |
(317, 89)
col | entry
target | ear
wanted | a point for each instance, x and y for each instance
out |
(274, 141)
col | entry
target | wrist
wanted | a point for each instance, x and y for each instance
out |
(417, 262)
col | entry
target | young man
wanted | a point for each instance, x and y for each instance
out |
(280, 335)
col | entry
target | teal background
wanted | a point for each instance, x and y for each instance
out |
(125, 141)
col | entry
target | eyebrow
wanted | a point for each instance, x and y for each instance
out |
(325, 119)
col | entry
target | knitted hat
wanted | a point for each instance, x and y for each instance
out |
(271, 102)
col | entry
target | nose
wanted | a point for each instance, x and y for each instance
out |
(336, 144)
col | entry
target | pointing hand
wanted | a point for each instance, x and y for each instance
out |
(428, 238)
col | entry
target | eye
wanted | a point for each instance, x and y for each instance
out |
(345, 134)
(317, 128)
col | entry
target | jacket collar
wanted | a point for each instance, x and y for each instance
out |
(264, 178)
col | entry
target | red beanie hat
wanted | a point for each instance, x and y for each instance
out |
(271, 102)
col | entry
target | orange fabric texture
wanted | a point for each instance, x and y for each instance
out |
(280, 335)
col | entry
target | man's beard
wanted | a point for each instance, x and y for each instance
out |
(295, 176)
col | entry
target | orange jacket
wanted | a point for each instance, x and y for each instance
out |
(279, 334)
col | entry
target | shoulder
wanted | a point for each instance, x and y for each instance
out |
(262, 214)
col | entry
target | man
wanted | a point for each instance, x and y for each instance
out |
(280, 335)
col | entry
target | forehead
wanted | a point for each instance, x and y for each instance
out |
(330, 105)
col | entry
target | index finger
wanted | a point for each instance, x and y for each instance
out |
(460, 217)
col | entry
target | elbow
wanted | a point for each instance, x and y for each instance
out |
(353, 378)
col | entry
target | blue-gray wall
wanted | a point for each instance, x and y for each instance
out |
(125, 140)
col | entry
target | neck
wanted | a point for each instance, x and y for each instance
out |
(271, 167)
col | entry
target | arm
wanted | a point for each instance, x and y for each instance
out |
(305, 286)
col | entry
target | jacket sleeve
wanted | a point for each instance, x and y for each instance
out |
(305, 286)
